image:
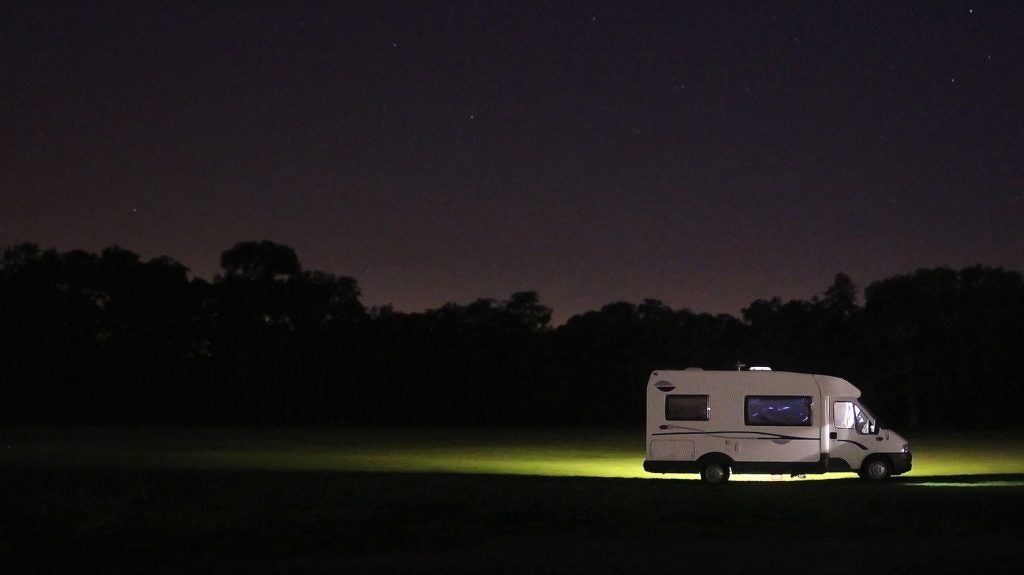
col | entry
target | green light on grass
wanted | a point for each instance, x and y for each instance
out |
(992, 461)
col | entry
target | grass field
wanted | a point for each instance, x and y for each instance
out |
(172, 500)
(575, 453)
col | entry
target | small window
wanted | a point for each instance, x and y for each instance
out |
(686, 408)
(784, 410)
(842, 414)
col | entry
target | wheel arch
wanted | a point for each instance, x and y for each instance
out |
(716, 457)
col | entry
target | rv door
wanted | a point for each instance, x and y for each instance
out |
(854, 431)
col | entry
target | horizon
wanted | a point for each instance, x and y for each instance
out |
(558, 317)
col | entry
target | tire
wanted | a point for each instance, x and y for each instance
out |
(876, 469)
(714, 472)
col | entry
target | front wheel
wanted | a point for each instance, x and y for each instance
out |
(878, 469)
(714, 473)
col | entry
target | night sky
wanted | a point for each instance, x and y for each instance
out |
(706, 154)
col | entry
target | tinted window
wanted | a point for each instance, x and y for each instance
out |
(778, 410)
(686, 407)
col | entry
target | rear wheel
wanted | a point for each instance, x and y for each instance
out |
(714, 473)
(876, 469)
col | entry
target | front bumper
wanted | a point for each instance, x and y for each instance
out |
(901, 462)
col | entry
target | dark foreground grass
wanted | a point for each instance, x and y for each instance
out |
(242, 521)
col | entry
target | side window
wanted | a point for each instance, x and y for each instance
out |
(842, 414)
(687, 408)
(784, 410)
(864, 423)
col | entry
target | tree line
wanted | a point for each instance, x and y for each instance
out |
(107, 338)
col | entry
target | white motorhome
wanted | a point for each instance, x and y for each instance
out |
(763, 421)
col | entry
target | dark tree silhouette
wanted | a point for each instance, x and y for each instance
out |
(260, 260)
(946, 345)
(282, 340)
(106, 338)
(110, 338)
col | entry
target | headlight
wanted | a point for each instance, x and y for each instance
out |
(906, 448)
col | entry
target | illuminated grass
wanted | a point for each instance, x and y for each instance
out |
(550, 453)
(978, 455)
(508, 453)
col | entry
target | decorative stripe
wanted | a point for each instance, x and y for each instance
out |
(860, 445)
(764, 435)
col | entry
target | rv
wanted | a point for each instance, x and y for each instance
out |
(762, 421)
